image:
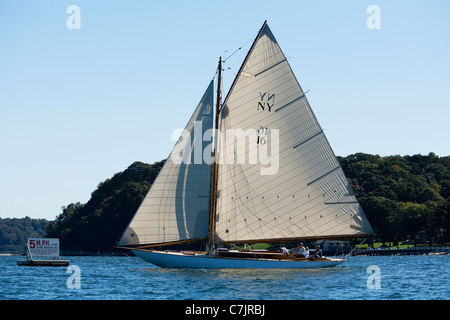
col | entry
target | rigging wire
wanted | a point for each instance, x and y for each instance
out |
(243, 45)
(232, 54)
(356, 247)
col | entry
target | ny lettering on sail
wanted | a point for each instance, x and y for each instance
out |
(267, 101)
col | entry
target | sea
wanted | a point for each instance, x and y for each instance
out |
(414, 277)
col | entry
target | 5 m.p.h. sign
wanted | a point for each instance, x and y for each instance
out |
(41, 247)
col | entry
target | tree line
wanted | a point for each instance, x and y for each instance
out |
(404, 198)
(14, 233)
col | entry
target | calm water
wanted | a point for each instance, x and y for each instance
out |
(126, 278)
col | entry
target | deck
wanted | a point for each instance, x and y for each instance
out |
(263, 254)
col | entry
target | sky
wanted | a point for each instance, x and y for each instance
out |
(78, 105)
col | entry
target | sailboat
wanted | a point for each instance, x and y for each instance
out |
(254, 168)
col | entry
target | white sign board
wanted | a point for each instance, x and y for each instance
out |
(41, 247)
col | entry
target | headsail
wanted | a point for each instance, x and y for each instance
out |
(302, 191)
(176, 208)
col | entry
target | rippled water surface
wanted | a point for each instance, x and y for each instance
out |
(129, 278)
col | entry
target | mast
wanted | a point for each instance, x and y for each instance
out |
(212, 212)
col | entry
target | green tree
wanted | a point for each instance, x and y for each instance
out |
(413, 217)
(382, 214)
(401, 195)
(14, 233)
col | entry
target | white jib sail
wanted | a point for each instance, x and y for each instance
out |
(278, 176)
(177, 205)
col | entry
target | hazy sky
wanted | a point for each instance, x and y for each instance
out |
(79, 105)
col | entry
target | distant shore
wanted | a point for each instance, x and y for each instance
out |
(393, 251)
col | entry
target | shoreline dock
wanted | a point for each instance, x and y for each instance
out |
(404, 251)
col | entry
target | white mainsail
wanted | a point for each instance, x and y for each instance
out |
(302, 191)
(176, 208)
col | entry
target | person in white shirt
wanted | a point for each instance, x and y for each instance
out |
(284, 251)
(306, 252)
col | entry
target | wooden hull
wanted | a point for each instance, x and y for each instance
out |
(193, 260)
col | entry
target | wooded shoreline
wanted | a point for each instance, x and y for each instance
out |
(405, 198)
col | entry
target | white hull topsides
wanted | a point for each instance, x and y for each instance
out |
(202, 261)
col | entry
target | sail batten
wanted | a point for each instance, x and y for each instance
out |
(268, 68)
(289, 103)
(306, 140)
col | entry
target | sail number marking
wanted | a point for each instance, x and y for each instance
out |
(262, 135)
(266, 102)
